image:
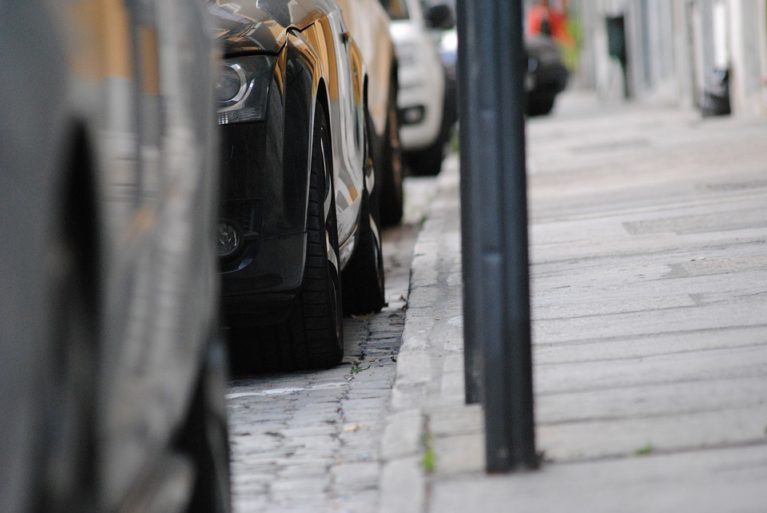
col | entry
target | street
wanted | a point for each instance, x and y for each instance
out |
(308, 442)
(205, 307)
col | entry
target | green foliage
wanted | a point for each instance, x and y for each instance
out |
(645, 450)
(429, 461)
(455, 142)
(572, 53)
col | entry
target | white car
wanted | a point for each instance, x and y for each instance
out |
(421, 98)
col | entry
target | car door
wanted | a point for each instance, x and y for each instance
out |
(347, 123)
(369, 25)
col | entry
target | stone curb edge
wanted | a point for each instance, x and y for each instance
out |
(403, 480)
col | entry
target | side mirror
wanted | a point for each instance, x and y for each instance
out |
(440, 17)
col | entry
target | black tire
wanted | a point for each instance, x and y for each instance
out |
(312, 335)
(540, 105)
(427, 162)
(363, 277)
(205, 437)
(392, 172)
(312, 338)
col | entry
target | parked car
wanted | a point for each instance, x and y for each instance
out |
(111, 371)
(421, 81)
(448, 53)
(545, 77)
(447, 46)
(368, 23)
(546, 74)
(298, 240)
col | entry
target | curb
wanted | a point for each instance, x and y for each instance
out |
(403, 478)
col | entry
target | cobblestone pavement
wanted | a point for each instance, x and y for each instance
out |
(309, 441)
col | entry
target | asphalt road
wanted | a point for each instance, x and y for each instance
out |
(309, 441)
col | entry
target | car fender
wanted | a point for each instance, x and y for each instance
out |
(342, 73)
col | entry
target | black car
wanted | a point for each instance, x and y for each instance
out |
(546, 74)
(299, 240)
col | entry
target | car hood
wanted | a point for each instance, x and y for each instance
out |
(404, 31)
(260, 26)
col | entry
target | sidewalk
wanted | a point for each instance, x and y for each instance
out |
(649, 248)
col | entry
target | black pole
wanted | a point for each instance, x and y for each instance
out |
(470, 215)
(498, 365)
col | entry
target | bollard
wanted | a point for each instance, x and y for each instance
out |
(498, 355)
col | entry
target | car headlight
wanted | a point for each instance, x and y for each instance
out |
(232, 84)
(229, 239)
(243, 88)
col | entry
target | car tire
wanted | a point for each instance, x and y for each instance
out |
(363, 277)
(312, 335)
(205, 437)
(392, 173)
(312, 338)
(427, 162)
(540, 105)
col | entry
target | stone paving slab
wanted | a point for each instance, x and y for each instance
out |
(650, 340)
(717, 480)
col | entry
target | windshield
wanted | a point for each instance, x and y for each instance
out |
(397, 9)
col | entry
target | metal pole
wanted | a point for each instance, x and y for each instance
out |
(494, 228)
(470, 214)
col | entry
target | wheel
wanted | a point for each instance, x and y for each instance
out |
(363, 278)
(312, 338)
(391, 192)
(312, 335)
(314, 332)
(205, 438)
(540, 105)
(427, 162)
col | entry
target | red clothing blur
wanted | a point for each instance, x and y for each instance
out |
(557, 22)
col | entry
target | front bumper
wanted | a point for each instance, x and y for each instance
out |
(424, 95)
(267, 204)
(548, 79)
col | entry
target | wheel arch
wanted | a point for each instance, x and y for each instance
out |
(76, 200)
(72, 254)
(321, 97)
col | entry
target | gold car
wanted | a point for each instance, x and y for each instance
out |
(300, 239)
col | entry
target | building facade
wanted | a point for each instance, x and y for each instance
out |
(674, 46)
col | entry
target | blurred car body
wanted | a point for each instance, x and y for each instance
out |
(297, 225)
(421, 81)
(448, 53)
(112, 379)
(546, 74)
